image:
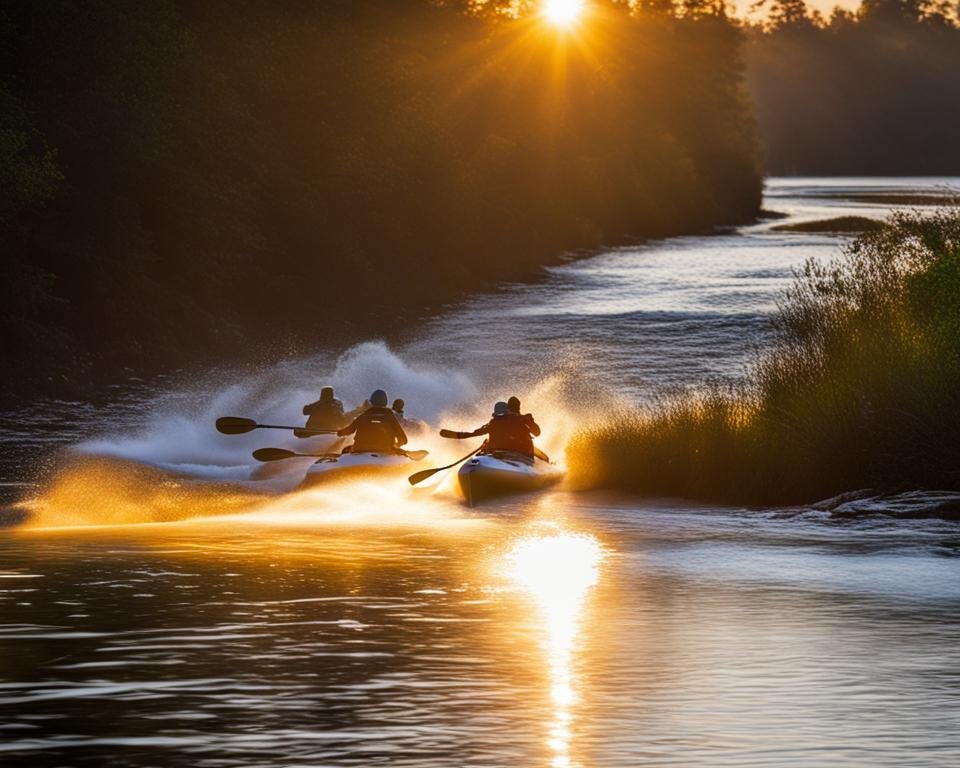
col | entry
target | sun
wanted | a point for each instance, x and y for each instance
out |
(562, 13)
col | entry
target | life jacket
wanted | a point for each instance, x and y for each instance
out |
(510, 432)
(377, 431)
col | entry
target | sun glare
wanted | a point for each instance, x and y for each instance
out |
(558, 571)
(562, 13)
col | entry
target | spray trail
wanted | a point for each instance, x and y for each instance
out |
(175, 466)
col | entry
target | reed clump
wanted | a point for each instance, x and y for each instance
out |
(859, 387)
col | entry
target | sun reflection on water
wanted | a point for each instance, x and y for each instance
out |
(557, 571)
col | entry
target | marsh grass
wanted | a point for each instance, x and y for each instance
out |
(860, 387)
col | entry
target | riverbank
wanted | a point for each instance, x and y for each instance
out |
(856, 388)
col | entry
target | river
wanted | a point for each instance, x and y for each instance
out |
(159, 608)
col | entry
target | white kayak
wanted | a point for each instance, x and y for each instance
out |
(502, 473)
(354, 465)
(312, 444)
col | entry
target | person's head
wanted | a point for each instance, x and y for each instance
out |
(378, 399)
(398, 405)
(514, 404)
(326, 394)
(500, 409)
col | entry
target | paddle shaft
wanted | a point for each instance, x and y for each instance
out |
(419, 477)
(235, 425)
(298, 429)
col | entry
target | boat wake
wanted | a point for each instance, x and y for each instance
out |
(174, 465)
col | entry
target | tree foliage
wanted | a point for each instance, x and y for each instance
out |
(231, 172)
(875, 92)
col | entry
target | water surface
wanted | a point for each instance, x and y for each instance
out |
(371, 625)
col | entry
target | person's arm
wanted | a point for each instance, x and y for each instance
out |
(350, 428)
(308, 408)
(532, 425)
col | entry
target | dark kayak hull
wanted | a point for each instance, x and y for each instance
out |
(491, 476)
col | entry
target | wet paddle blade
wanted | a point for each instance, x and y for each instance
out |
(417, 455)
(423, 474)
(233, 425)
(273, 454)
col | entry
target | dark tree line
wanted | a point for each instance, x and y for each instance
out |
(871, 92)
(180, 179)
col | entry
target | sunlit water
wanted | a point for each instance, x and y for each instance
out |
(161, 608)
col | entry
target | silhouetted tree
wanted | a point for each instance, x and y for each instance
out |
(875, 92)
(234, 172)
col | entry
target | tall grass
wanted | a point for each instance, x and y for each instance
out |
(860, 387)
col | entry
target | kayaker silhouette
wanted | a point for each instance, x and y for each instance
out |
(325, 413)
(376, 430)
(507, 431)
(514, 405)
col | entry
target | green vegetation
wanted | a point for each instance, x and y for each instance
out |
(858, 389)
(836, 224)
(193, 179)
(870, 92)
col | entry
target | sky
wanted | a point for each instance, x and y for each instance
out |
(824, 6)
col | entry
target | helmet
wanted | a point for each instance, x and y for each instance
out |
(398, 405)
(378, 399)
(500, 409)
(514, 404)
(326, 394)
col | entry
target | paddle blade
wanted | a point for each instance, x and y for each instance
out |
(450, 433)
(423, 474)
(417, 455)
(273, 454)
(233, 425)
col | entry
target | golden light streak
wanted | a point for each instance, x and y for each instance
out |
(558, 571)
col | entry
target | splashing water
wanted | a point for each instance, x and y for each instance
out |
(175, 466)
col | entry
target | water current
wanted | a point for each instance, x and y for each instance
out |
(165, 603)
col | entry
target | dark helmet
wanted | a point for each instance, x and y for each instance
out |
(398, 405)
(326, 394)
(378, 399)
(500, 409)
(514, 404)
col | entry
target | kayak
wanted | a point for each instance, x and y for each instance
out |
(502, 473)
(353, 465)
(312, 444)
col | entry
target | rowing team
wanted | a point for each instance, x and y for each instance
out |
(377, 428)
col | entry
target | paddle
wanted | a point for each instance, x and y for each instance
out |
(234, 425)
(456, 435)
(278, 454)
(419, 477)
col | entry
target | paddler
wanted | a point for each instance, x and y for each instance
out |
(507, 431)
(376, 430)
(513, 404)
(325, 413)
